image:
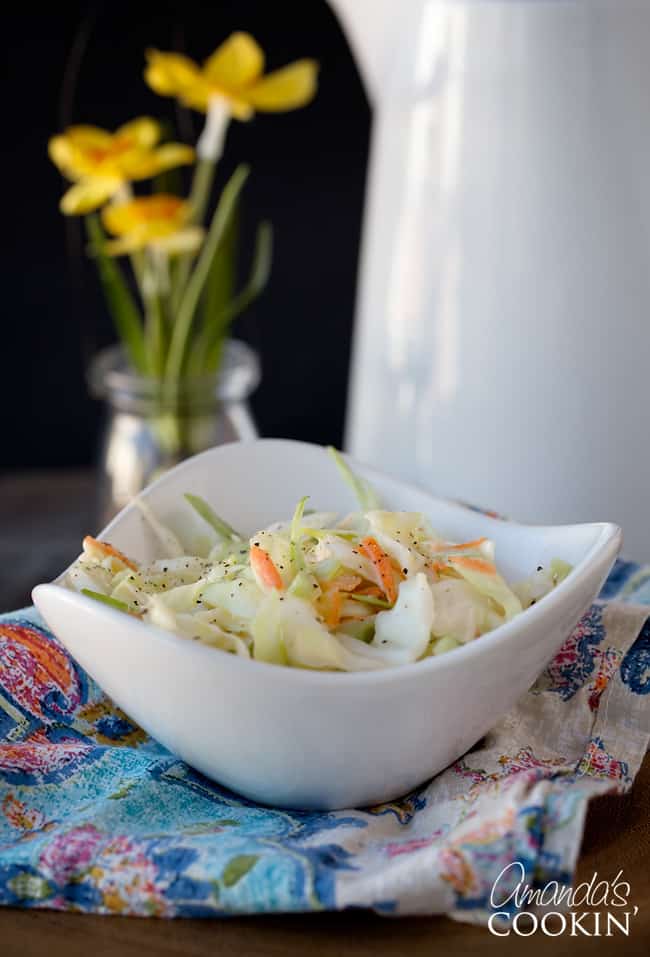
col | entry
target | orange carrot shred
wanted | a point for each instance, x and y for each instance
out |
(333, 602)
(473, 564)
(262, 563)
(370, 548)
(463, 545)
(371, 590)
(344, 583)
(438, 566)
(108, 549)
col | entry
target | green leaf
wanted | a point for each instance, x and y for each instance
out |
(257, 280)
(121, 303)
(238, 867)
(199, 200)
(193, 291)
(220, 284)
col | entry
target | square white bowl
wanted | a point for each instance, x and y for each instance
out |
(311, 739)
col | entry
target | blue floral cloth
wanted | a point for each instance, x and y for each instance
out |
(95, 816)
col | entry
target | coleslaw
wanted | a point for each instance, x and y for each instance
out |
(368, 590)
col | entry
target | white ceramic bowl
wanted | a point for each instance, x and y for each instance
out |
(309, 739)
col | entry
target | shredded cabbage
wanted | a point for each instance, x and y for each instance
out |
(365, 591)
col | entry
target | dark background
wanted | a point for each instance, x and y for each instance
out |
(82, 62)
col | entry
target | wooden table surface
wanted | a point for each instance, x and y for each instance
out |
(42, 518)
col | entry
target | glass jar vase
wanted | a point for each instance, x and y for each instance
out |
(150, 425)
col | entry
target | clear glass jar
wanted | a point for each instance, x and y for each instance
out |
(150, 426)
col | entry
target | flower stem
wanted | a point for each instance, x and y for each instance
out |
(199, 199)
(209, 150)
(155, 332)
(187, 309)
(201, 188)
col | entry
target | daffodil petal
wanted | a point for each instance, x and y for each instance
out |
(138, 165)
(87, 137)
(170, 74)
(197, 97)
(142, 165)
(170, 155)
(239, 108)
(182, 241)
(87, 195)
(286, 89)
(62, 154)
(154, 216)
(143, 132)
(238, 62)
(119, 218)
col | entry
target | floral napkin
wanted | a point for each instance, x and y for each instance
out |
(95, 816)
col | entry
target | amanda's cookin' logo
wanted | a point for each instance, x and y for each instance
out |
(595, 908)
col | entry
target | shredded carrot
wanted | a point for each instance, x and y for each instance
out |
(262, 564)
(463, 545)
(332, 607)
(397, 569)
(334, 593)
(371, 590)
(370, 548)
(90, 543)
(473, 564)
(438, 566)
(344, 583)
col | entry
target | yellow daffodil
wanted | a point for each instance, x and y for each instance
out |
(234, 73)
(100, 163)
(159, 222)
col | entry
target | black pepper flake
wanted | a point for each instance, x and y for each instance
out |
(540, 568)
(533, 601)
(314, 585)
(405, 571)
(165, 568)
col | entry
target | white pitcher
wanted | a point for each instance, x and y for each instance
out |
(502, 346)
